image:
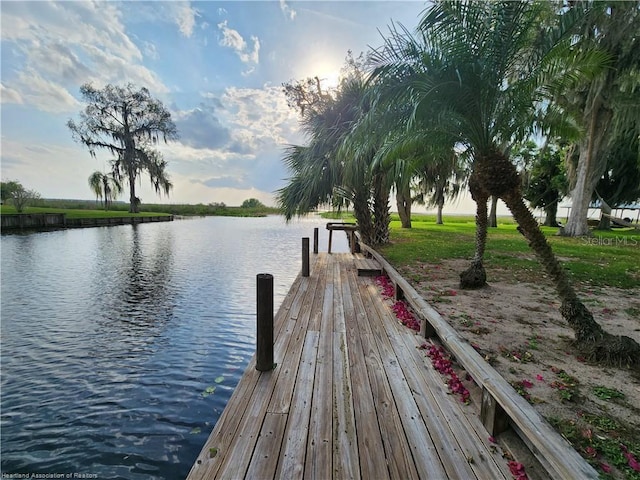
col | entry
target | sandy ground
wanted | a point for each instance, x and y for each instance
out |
(515, 324)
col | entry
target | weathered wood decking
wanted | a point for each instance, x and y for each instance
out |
(351, 397)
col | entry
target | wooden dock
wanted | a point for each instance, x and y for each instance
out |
(351, 397)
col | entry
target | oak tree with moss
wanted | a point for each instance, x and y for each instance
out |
(129, 123)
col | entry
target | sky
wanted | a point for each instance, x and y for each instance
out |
(218, 67)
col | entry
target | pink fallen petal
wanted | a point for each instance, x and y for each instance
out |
(605, 468)
(540, 378)
(591, 452)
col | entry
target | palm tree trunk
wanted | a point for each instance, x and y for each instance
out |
(590, 337)
(363, 217)
(439, 201)
(403, 203)
(476, 276)
(551, 212)
(493, 214)
(381, 214)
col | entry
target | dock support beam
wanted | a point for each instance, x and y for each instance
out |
(264, 339)
(305, 256)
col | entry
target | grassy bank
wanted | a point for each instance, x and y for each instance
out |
(82, 213)
(90, 209)
(609, 258)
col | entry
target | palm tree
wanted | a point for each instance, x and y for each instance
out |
(484, 69)
(323, 173)
(105, 186)
(440, 180)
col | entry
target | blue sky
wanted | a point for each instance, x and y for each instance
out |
(217, 66)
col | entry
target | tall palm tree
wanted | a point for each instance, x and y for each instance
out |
(105, 186)
(323, 173)
(485, 69)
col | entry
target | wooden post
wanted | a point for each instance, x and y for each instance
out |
(315, 240)
(426, 329)
(264, 340)
(305, 256)
(492, 415)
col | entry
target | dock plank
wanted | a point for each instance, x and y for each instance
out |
(351, 396)
(294, 448)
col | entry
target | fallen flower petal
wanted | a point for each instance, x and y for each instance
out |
(605, 468)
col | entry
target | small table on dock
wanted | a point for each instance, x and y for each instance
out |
(350, 228)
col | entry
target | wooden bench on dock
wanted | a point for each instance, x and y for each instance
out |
(349, 228)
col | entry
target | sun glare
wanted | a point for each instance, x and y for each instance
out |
(328, 72)
(329, 78)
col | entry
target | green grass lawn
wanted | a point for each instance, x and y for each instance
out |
(610, 258)
(79, 209)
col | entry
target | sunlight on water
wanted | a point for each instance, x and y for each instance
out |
(122, 345)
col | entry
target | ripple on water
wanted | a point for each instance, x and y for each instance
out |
(122, 345)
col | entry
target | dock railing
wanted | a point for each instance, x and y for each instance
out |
(501, 406)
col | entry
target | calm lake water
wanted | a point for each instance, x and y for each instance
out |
(121, 345)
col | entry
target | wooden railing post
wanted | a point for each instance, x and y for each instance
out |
(315, 240)
(264, 340)
(305, 256)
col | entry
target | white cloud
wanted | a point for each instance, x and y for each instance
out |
(60, 45)
(185, 18)
(287, 10)
(71, 23)
(9, 95)
(231, 38)
(263, 113)
(47, 95)
(52, 170)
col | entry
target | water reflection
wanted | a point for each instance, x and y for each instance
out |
(110, 337)
(132, 283)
